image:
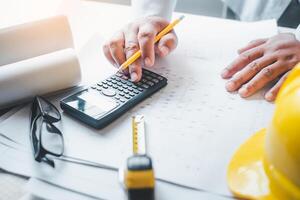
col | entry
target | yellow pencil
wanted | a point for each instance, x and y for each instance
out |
(138, 54)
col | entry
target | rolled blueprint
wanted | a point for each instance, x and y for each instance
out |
(34, 39)
(36, 58)
(39, 75)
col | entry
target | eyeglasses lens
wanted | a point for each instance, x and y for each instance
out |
(51, 139)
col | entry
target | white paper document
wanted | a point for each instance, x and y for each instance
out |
(193, 125)
(36, 58)
(76, 181)
(163, 191)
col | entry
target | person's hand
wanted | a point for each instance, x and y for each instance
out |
(261, 62)
(140, 35)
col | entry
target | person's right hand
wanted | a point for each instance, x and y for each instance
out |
(137, 35)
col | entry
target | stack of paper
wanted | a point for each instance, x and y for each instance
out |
(193, 126)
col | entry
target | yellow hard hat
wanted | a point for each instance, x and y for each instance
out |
(267, 166)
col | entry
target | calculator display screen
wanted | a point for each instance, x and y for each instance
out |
(93, 104)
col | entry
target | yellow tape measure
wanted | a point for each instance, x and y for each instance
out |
(138, 135)
(138, 178)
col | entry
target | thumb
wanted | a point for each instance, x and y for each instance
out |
(166, 44)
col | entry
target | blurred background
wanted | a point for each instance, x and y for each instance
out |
(216, 8)
(212, 8)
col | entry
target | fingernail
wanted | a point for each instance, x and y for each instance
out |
(164, 50)
(243, 91)
(224, 73)
(148, 62)
(133, 77)
(230, 86)
(269, 97)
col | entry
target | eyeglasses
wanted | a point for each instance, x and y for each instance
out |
(46, 138)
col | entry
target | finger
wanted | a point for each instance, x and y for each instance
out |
(167, 44)
(249, 72)
(146, 37)
(108, 55)
(261, 79)
(242, 60)
(135, 70)
(132, 46)
(252, 44)
(272, 93)
(116, 47)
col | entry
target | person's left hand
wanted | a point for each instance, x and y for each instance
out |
(261, 62)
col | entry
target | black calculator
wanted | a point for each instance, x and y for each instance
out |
(102, 103)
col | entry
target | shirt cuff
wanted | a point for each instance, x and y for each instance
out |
(297, 33)
(144, 8)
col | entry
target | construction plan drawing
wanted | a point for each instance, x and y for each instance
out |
(193, 125)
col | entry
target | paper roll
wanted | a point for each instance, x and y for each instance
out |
(36, 58)
(34, 39)
(39, 75)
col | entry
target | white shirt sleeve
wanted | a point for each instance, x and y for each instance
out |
(162, 8)
(297, 33)
(253, 10)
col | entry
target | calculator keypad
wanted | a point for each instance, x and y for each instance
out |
(122, 90)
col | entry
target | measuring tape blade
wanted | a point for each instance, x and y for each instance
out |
(138, 133)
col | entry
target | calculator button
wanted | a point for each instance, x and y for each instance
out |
(130, 89)
(117, 98)
(108, 80)
(145, 86)
(125, 86)
(134, 87)
(146, 72)
(93, 87)
(114, 81)
(155, 80)
(127, 96)
(150, 83)
(119, 84)
(99, 89)
(109, 92)
(115, 87)
(122, 81)
(129, 83)
(139, 83)
(121, 94)
(122, 100)
(131, 94)
(160, 78)
(120, 88)
(136, 91)
(100, 84)
(113, 78)
(140, 89)
(154, 75)
(104, 82)
(105, 86)
(126, 91)
(148, 77)
(144, 80)
(109, 84)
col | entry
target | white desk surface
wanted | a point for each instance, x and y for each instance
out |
(86, 18)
